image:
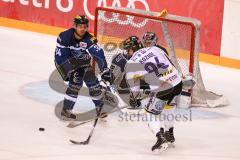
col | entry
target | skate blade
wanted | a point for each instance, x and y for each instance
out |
(171, 145)
(103, 120)
(164, 146)
(72, 124)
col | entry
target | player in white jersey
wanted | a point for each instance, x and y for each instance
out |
(152, 65)
(150, 39)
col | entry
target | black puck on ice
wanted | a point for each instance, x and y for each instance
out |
(41, 129)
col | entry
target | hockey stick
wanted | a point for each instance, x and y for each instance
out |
(73, 124)
(95, 122)
(90, 134)
(115, 109)
(94, 125)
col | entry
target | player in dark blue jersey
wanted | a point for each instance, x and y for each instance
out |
(75, 49)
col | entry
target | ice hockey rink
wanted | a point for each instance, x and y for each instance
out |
(27, 103)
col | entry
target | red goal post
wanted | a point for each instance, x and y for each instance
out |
(179, 35)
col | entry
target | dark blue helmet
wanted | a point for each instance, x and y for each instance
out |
(80, 19)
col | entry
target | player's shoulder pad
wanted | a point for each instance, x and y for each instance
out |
(162, 48)
(92, 38)
(65, 37)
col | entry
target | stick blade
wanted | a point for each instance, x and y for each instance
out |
(79, 143)
(74, 124)
(71, 125)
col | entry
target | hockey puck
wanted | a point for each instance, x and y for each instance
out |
(41, 129)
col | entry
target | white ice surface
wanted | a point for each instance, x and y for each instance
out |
(27, 57)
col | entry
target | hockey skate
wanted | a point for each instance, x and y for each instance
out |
(161, 143)
(68, 114)
(169, 135)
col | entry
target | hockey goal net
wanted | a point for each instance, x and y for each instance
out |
(179, 35)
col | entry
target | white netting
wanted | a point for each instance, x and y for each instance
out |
(180, 35)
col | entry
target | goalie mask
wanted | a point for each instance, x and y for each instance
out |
(149, 39)
(132, 43)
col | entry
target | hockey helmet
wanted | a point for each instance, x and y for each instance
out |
(149, 39)
(81, 19)
(133, 43)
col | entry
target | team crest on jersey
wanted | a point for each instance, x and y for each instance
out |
(159, 105)
(83, 45)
